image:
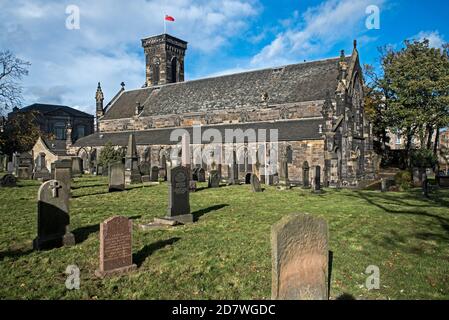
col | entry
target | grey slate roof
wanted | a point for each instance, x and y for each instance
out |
(289, 84)
(293, 130)
(46, 108)
(58, 147)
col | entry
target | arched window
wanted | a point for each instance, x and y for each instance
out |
(155, 70)
(174, 70)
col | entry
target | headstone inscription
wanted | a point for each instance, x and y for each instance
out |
(300, 258)
(115, 247)
(53, 218)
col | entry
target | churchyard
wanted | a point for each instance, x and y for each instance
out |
(226, 252)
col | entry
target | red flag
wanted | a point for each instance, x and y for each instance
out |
(169, 18)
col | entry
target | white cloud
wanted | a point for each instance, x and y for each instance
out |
(436, 40)
(319, 27)
(67, 64)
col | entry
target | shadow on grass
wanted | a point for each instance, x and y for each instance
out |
(14, 254)
(345, 296)
(202, 212)
(128, 188)
(140, 257)
(89, 186)
(81, 234)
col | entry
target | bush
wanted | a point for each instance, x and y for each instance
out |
(109, 155)
(403, 180)
(423, 158)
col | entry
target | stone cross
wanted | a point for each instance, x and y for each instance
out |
(54, 185)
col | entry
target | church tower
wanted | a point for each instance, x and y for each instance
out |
(164, 56)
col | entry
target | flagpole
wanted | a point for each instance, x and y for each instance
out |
(165, 25)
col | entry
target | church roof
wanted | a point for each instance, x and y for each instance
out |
(290, 130)
(295, 83)
(49, 108)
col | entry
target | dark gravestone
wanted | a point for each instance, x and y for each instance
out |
(201, 175)
(214, 179)
(192, 187)
(63, 173)
(305, 175)
(53, 218)
(154, 174)
(195, 174)
(317, 180)
(425, 185)
(77, 166)
(25, 166)
(178, 201)
(443, 181)
(132, 173)
(255, 184)
(145, 168)
(248, 178)
(163, 174)
(300, 257)
(8, 181)
(115, 247)
(116, 177)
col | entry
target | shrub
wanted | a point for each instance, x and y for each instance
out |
(403, 180)
(423, 158)
(110, 155)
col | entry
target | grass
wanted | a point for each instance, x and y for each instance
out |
(226, 254)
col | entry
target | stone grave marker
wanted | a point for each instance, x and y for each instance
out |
(383, 185)
(214, 179)
(305, 175)
(317, 180)
(145, 171)
(40, 171)
(77, 167)
(25, 166)
(425, 185)
(10, 167)
(53, 218)
(178, 202)
(63, 173)
(8, 181)
(116, 177)
(300, 258)
(154, 174)
(115, 247)
(132, 173)
(201, 175)
(255, 184)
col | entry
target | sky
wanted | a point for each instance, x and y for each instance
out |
(68, 58)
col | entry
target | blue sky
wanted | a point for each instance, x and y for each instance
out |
(225, 36)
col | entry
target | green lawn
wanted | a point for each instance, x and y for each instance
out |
(226, 254)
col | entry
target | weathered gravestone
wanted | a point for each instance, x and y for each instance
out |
(116, 177)
(99, 170)
(248, 178)
(255, 184)
(25, 166)
(201, 175)
(145, 169)
(317, 180)
(63, 173)
(132, 173)
(115, 247)
(214, 179)
(300, 257)
(10, 167)
(178, 201)
(425, 185)
(383, 185)
(154, 174)
(53, 218)
(8, 181)
(40, 171)
(77, 167)
(305, 175)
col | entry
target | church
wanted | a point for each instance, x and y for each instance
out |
(315, 107)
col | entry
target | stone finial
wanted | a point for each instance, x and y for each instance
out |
(122, 85)
(99, 95)
(355, 44)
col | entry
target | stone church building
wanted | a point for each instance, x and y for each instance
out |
(317, 108)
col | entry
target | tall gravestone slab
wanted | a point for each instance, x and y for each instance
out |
(10, 167)
(53, 218)
(116, 177)
(255, 183)
(305, 175)
(178, 202)
(77, 167)
(425, 185)
(214, 179)
(300, 258)
(25, 166)
(317, 180)
(115, 247)
(154, 177)
(201, 175)
(40, 171)
(132, 173)
(63, 173)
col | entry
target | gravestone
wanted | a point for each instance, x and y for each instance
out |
(25, 166)
(255, 184)
(40, 171)
(214, 179)
(305, 175)
(77, 167)
(425, 185)
(8, 181)
(154, 174)
(63, 173)
(116, 177)
(317, 180)
(99, 170)
(132, 174)
(178, 201)
(192, 187)
(115, 247)
(53, 218)
(383, 185)
(300, 257)
(163, 174)
(201, 175)
(145, 168)
(248, 178)
(10, 167)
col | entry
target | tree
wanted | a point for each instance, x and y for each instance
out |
(12, 70)
(110, 155)
(20, 133)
